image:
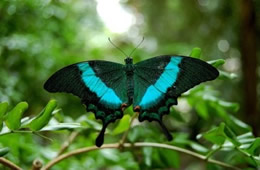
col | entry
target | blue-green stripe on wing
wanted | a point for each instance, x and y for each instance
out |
(107, 95)
(156, 92)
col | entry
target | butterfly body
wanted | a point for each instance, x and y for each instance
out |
(152, 86)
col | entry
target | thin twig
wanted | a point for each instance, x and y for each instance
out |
(67, 143)
(138, 144)
(9, 164)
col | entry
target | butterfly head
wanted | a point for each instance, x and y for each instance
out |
(129, 60)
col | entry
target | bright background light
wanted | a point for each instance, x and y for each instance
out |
(116, 18)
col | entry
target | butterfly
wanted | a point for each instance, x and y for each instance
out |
(152, 86)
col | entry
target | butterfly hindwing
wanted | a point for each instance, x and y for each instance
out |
(159, 81)
(99, 84)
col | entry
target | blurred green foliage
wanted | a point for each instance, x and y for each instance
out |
(41, 36)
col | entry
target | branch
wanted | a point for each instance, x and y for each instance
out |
(67, 143)
(138, 144)
(9, 164)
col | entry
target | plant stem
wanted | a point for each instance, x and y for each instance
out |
(213, 152)
(9, 164)
(138, 144)
(67, 143)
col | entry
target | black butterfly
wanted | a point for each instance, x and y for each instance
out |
(152, 86)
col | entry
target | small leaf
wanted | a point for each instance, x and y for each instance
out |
(202, 109)
(3, 151)
(13, 118)
(61, 126)
(195, 53)
(219, 135)
(148, 155)
(44, 117)
(237, 125)
(3, 109)
(215, 135)
(197, 147)
(176, 115)
(170, 158)
(248, 135)
(233, 106)
(254, 146)
(226, 75)
(217, 63)
(123, 125)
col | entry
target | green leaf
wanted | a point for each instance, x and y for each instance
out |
(215, 136)
(217, 63)
(233, 106)
(225, 75)
(3, 109)
(237, 125)
(202, 109)
(195, 53)
(170, 158)
(44, 117)
(3, 151)
(148, 155)
(13, 118)
(176, 115)
(254, 146)
(219, 135)
(197, 147)
(123, 125)
(61, 126)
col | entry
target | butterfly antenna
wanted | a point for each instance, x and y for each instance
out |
(137, 46)
(117, 47)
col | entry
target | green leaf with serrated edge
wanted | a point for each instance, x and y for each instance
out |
(61, 126)
(123, 125)
(216, 63)
(44, 117)
(3, 109)
(13, 118)
(3, 151)
(195, 53)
